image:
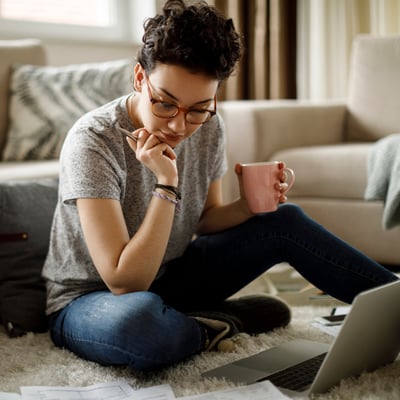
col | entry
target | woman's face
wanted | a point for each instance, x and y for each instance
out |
(177, 86)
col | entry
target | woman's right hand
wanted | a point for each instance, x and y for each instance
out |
(131, 263)
(158, 156)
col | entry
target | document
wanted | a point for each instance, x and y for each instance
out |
(333, 330)
(160, 392)
(10, 396)
(118, 390)
(258, 391)
(330, 330)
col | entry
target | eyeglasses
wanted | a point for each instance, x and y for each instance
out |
(194, 116)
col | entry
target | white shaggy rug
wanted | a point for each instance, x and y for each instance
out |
(33, 360)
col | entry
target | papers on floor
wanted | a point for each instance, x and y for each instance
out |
(341, 310)
(330, 330)
(258, 391)
(333, 330)
(10, 396)
(120, 390)
(160, 392)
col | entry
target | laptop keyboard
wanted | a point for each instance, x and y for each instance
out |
(298, 377)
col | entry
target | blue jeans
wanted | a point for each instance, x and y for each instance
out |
(150, 330)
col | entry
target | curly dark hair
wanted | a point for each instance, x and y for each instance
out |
(197, 37)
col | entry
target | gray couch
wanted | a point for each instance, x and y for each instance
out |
(326, 143)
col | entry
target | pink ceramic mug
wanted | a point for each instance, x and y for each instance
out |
(261, 182)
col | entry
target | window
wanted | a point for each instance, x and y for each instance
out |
(103, 20)
(74, 12)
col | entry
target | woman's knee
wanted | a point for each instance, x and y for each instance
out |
(103, 317)
(109, 310)
(288, 212)
(141, 304)
(136, 314)
(136, 329)
(291, 209)
(292, 215)
(159, 335)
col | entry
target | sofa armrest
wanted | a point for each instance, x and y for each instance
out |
(28, 170)
(259, 128)
(256, 129)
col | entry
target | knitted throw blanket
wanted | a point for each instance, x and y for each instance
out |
(383, 178)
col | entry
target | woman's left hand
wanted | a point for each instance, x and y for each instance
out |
(282, 186)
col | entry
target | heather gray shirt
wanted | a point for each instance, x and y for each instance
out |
(96, 162)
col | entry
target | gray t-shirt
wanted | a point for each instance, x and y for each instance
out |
(97, 162)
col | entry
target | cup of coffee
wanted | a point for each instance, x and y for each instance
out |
(261, 185)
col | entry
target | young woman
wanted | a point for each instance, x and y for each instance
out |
(128, 284)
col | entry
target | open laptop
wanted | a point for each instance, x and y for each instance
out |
(368, 339)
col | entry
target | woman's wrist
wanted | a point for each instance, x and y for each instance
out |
(244, 208)
(167, 195)
(169, 189)
(172, 181)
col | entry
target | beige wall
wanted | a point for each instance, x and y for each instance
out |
(63, 53)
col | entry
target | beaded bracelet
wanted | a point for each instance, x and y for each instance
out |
(171, 189)
(168, 198)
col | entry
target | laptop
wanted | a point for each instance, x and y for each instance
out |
(368, 339)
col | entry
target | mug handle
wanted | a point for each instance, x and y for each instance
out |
(290, 178)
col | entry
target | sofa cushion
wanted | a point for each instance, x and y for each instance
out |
(335, 171)
(374, 88)
(26, 213)
(46, 101)
(12, 51)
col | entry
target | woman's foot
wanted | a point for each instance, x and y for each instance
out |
(251, 314)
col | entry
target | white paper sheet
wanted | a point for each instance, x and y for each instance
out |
(118, 390)
(160, 392)
(10, 396)
(332, 330)
(258, 391)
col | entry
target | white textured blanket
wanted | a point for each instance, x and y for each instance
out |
(383, 171)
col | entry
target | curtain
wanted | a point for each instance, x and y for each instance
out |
(326, 30)
(268, 67)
